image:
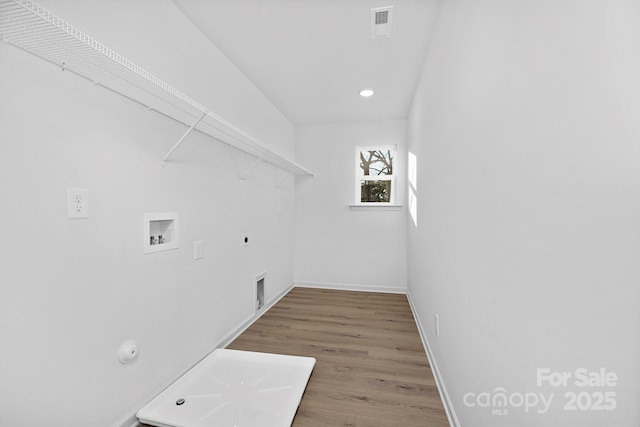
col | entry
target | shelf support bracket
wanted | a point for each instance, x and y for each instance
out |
(244, 176)
(286, 176)
(181, 140)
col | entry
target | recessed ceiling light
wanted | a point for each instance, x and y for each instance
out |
(365, 93)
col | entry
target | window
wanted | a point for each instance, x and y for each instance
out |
(375, 181)
(413, 188)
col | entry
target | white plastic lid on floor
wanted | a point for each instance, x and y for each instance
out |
(232, 388)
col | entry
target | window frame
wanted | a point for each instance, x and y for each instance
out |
(392, 178)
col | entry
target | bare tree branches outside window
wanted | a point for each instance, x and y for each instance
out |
(377, 166)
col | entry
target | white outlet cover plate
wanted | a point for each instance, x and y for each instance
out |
(77, 203)
(197, 249)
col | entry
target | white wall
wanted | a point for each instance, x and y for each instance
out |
(158, 37)
(526, 129)
(336, 246)
(72, 290)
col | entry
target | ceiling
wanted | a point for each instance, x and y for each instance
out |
(312, 57)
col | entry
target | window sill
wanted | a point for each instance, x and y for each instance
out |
(380, 207)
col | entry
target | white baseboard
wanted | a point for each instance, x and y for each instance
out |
(353, 287)
(130, 419)
(251, 320)
(444, 395)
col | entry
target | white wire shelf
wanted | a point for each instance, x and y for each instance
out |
(31, 28)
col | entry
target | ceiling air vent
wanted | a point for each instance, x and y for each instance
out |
(381, 22)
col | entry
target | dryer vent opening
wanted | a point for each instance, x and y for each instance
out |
(260, 292)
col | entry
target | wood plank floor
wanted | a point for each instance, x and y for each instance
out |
(371, 367)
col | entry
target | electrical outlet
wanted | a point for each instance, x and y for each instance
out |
(197, 249)
(77, 203)
(437, 324)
